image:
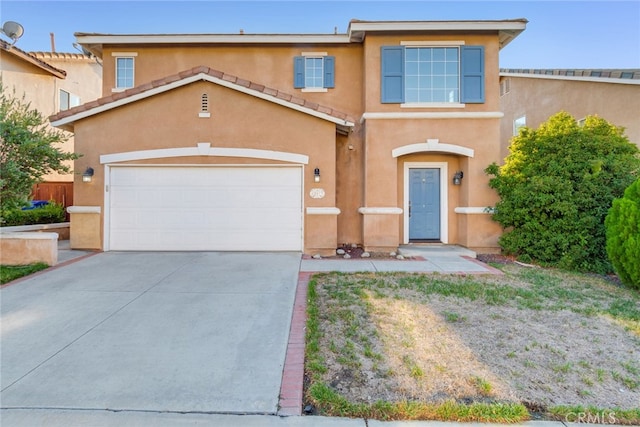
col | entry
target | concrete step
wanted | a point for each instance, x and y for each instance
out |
(431, 249)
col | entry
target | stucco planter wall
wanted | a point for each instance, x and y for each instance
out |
(23, 248)
(61, 228)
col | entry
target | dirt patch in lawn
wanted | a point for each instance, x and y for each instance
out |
(538, 337)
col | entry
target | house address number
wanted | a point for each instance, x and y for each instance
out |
(316, 193)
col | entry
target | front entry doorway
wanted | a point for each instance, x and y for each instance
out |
(424, 204)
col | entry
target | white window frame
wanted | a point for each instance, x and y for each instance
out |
(121, 55)
(314, 55)
(73, 100)
(517, 125)
(435, 43)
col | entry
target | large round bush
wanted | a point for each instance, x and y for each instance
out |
(556, 188)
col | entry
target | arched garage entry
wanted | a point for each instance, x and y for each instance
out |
(253, 207)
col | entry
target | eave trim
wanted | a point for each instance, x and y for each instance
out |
(204, 149)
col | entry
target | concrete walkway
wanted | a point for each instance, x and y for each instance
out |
(445, 259)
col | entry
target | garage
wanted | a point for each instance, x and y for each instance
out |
(204, 208)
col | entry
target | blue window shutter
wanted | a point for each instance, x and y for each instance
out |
(298, 72)
(392, 78)
(329, 71)
(472, 82)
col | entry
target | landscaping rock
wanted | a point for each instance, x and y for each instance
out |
(340, 252)
(365, 255)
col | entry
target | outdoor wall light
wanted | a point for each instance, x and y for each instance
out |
(457, 178)
(316, 175)
(87, 176)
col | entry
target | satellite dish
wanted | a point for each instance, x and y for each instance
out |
(13, 30)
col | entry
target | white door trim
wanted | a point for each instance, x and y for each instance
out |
(444, 218)
(107, 195)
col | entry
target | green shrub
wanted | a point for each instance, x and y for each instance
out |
(556, 188)
(48, 214)
(623, 235)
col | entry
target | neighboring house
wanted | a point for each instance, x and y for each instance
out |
(51, 82)
(530, 97)
(292, 142)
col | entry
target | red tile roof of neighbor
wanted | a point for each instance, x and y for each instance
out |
(204, 70)
(33, 59)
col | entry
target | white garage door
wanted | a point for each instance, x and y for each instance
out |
(205, 208)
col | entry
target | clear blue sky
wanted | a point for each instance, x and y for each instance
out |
(560, 34)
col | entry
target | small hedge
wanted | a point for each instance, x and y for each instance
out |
(623, 235)
(48, 214)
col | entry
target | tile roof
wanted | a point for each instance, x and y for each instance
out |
(626, 73)
(33, 59)
(60, 55)
(150, 88)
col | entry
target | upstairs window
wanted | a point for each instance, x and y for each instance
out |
(124, 73)
(432, 74)
(314, 71)
(518, 123)
(125, 69)
(68, 100)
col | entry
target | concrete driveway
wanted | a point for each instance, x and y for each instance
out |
(184, 332)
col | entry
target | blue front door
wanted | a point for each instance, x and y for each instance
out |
(424, 204)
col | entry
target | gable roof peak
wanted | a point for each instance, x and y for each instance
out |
(66, 119)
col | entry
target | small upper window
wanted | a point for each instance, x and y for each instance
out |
(314, 71)
(68, 100)
(124, 72)
(505, 86)
(518, 123)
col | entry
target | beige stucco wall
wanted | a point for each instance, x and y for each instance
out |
(358, 169)
(170, 120)
(28, 248)
(540, 98)
(384, 175)
(41, 89)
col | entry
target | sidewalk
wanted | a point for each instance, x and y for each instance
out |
(70, 417)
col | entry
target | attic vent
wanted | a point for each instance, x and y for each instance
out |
(204, 106)
(205, 103)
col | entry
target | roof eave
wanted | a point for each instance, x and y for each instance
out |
(507, 29)
(94, 42)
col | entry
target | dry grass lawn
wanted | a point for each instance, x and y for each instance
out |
(543, 338)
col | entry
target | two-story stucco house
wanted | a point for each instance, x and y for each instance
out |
(51, 82)
(530, 97)
(377, 137)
